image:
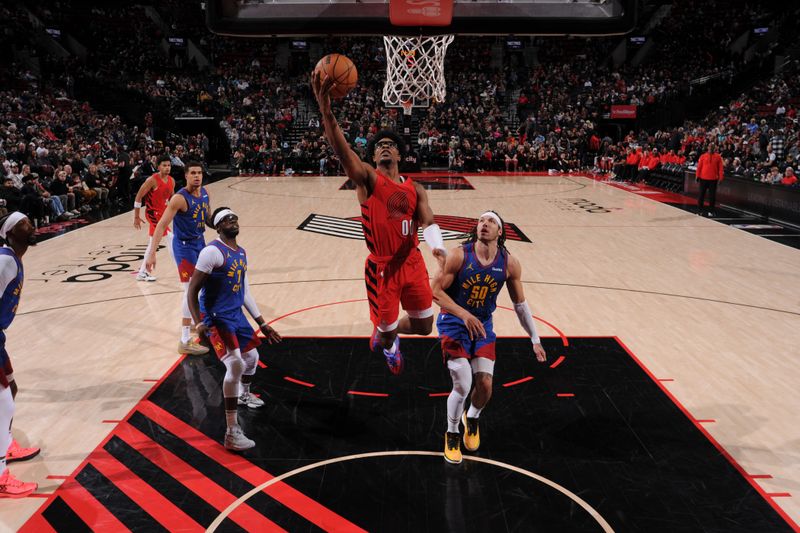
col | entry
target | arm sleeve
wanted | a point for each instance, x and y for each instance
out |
(8, 271)
(250, 302)
(210, 258)
(526, 321)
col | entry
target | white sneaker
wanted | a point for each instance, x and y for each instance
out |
(145, 276)
(235, 439)
(250, 400)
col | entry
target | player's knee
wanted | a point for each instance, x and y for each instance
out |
(483, 386)
(461, 375)
(234, 365)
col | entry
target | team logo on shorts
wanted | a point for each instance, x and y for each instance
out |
(453, 228)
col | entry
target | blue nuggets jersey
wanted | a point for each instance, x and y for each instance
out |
(10, 298)
(191, 224)
(476, 286)
(223, 291)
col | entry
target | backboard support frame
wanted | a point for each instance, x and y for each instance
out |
(304, 19)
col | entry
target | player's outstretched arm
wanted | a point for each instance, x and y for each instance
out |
(193, 295)
(145, 188)
(176, 203)
(250, 304)
(517, 293)
(442, 280)
(361, 173)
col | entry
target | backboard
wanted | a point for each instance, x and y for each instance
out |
(371, 17)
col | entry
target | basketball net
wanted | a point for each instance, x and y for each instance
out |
(415, 71)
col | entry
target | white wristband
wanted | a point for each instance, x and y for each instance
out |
(433, 236)
(137, 205)
(526, 320)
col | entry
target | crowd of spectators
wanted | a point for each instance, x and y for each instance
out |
(59, 157)
(268, 116)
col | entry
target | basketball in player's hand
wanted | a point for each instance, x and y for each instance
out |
(341, 70)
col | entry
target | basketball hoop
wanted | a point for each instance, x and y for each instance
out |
(415, 70)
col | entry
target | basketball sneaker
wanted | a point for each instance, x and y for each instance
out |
(192, 348)
(250, 400)
(375, 340)
(452, 448)
(145, 276)
(11, 487)
(18, 453)
(236, 441)
(394, 360)
(472, 435)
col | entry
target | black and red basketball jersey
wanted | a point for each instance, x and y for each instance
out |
(387, 218)
(156, 200)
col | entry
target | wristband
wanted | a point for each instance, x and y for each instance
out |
(137, 205)
(433, 236)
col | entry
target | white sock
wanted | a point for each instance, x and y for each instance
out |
(474, 412)
(186, 334)
(245, 389)
(461, 374)
(143, 268)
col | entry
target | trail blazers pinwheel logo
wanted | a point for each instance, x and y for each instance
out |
(453, 228)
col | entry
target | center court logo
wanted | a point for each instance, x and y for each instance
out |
(453, 227)
(98, 264)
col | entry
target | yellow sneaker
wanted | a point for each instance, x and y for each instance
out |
(192, 348)
(472, 435)
(452, 448)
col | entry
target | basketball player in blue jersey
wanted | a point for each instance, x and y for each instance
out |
(18, 232)
(217, 291)
(189, 209)
(466, 290)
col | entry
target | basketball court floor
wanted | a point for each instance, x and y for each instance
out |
(668, 403)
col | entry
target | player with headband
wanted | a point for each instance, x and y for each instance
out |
(18, 233)
(217, 291)
(466, 289)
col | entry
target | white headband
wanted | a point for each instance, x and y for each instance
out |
(492, 216)
(222, 214)
(10, 222)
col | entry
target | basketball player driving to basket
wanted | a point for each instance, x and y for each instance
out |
(392, 208)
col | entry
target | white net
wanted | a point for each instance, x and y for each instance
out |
(415, 70)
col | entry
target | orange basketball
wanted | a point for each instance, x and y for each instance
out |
(343, 72)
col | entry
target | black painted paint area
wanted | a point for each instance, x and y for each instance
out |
(61, 517)
(620, 443)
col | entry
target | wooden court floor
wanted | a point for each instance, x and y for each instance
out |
(712, 311)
